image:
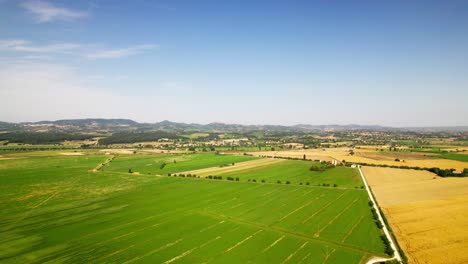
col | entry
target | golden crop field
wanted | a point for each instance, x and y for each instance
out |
(370, 156)
(427, 213)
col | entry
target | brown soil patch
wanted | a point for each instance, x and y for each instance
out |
(427, 215)
(72, 153)
(118, 151)
(7, 158)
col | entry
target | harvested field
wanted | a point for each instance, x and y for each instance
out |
(370, 157)
(427, 213)
(72, 153)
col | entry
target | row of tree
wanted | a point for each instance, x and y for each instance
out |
(440, 172)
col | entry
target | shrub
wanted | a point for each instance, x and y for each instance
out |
(379, 224)
(287, 182)
(307, 183)
(279, 182)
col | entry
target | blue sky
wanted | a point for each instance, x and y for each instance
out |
(396, 63)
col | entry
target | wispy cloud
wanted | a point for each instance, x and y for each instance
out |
(37, 57)
(87, 51)
(23, 45)
(47, 12)
(119, 53)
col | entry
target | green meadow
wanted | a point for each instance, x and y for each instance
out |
(295, 172)
(54, 208)
(453, 156)
(171, 163)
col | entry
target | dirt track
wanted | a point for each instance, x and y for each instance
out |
(427, 215)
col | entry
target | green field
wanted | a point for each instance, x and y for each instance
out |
(55, 209)
(173, 162)
(453, 156)
(296, 172)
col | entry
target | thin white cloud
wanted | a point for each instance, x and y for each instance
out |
(47, 12)
(37, 57)
(25, 46)
(119, 53)
(19, 45)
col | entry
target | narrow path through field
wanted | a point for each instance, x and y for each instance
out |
(384, 228)
(99, 167)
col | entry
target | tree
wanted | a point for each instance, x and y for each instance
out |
(278, 181)
(130, 171)
(287, 182)
(237, 178)
(263, 181)
(307, 183)
(335, 185)
(304, 157)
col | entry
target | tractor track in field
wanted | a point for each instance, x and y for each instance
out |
(289, 233)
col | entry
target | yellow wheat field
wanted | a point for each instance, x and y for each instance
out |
(427, 213)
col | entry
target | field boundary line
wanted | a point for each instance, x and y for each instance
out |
(242, 241)
(153, 251)
(323, 207)
(328, 256)
(384, 226)
(261, 205)
(188, 252)
(352, 228)
(273, 244)
(305, 257)
(300, 207)
(336, 217)
(237, 205)
(211, 226)
(295, 252)
(290, 233)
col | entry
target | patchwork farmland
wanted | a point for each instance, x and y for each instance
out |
(55, 208)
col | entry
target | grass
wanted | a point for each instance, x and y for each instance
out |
(297, 171)
(54, 209)
(173, 163)
(452, 156)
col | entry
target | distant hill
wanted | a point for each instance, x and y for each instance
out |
(114, 125)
